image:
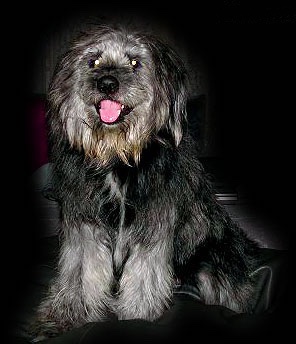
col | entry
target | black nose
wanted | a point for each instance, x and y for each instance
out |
(107, 84)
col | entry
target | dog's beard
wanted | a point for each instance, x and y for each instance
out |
(103, 142)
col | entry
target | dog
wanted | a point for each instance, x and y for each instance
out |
(138, 213)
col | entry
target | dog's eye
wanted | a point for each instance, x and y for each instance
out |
(135, 63)
(93, 63)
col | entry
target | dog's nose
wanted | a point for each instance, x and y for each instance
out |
(108, 84)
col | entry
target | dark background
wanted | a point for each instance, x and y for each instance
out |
(249, 62)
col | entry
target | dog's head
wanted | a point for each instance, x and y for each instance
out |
(114, 91)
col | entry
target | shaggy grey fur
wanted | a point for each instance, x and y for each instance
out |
(137, 212)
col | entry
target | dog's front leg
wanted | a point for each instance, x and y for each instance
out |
(146, 284)
(81, 291)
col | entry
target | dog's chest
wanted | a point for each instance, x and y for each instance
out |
(116, 209)
(116, 216)
(112, 209)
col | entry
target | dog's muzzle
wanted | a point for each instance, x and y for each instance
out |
(109, 110)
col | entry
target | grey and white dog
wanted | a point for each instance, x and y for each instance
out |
(138, 215)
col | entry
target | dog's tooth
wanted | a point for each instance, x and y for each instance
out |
(122, 107)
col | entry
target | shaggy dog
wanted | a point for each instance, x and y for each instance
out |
(138, 216)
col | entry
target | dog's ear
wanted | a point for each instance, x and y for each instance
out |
(170, 88)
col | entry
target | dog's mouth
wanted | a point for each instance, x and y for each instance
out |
(111, 111)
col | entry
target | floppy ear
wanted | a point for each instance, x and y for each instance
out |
(170, 88)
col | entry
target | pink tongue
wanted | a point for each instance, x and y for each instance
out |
(109, 111)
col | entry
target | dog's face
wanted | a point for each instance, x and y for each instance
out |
(114, 91)
(117, 79)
